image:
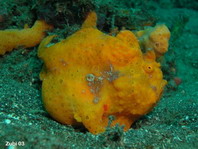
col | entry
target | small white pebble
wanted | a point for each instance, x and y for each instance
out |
(7, 121)
(12, 147)
(187, 117)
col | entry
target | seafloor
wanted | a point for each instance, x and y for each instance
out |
(172, 124)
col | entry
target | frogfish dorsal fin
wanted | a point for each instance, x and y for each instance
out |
(90, 21)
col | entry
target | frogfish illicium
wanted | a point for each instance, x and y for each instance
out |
(91, 75)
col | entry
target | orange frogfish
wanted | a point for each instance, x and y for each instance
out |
(91, 75)
(27, 37)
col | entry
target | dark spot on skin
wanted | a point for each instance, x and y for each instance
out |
(61, 81)
(157, 44)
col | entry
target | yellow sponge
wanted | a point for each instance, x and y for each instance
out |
(28, 37)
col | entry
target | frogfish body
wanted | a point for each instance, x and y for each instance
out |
(91, 75)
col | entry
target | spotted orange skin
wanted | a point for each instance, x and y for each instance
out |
(91, 75)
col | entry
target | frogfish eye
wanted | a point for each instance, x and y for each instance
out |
(148, 68)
